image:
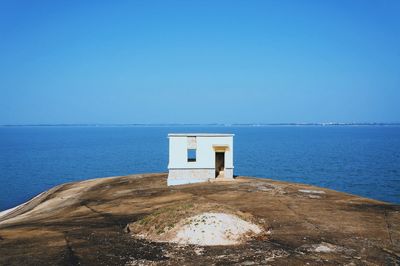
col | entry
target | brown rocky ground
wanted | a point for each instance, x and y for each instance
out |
(85, 223)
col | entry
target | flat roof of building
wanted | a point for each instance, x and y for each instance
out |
(200, 135)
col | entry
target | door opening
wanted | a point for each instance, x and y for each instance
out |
(219, 164)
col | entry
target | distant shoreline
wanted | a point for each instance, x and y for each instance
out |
(203, 125)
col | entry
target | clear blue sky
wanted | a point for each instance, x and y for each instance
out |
(199, 61)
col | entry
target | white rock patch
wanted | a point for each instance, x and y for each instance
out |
(312, 191)
(211, 229)
(324, 248)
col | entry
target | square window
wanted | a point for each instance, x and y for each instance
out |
(191, 155)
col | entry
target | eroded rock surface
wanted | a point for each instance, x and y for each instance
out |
(87, 223)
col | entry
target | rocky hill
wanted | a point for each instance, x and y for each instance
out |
(138, 220)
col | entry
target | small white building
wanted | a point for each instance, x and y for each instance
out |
(199, 157)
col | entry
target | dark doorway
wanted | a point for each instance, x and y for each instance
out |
(219, 163)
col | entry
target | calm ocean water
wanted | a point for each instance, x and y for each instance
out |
(362, 160)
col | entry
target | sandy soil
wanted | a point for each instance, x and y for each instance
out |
(213, 229)
(94, 223)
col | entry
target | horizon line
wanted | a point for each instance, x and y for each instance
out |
(206, 124)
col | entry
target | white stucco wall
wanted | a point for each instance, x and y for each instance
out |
(205, 152)
(182, 172)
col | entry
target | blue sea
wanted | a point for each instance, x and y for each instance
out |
(361, 160)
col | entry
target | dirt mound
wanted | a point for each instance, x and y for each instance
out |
(214, 229)
(204, 224)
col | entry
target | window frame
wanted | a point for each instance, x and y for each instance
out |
(190, 157)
